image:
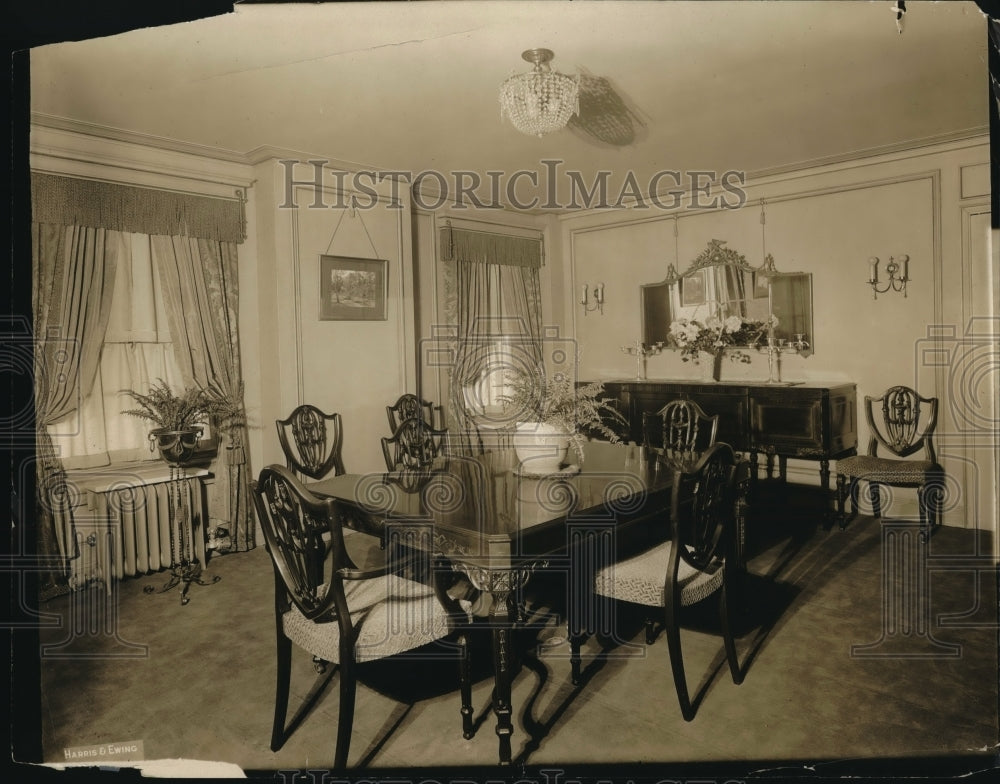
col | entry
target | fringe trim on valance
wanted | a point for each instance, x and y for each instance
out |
(69, 201)
(488, 248)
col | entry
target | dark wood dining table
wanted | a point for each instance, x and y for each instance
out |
(498, 524)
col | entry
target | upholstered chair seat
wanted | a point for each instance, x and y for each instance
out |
(390, 615)
(898, 473)
(640, 579)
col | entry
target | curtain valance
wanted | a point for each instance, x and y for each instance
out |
(489, 248)
(69, 201)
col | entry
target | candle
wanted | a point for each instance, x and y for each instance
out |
(873, 270)
(904, 261)
(599, 293)
(583, 295)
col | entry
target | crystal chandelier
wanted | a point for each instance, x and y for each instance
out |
(542, 100)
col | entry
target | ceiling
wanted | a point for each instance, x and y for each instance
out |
(714, 86)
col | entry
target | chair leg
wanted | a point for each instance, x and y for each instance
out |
(876, 503)
(725, 619)
(575, 641)
(841, 498)
(282, 685)
(345, 722)
(673, 634)
(465, 686)
(931, 498)
(929, 502)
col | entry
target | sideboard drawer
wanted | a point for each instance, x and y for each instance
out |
(803, 422)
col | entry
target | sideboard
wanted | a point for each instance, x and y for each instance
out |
(807, 421)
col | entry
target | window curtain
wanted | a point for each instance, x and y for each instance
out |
(73, 269)
(77, 237)
(137, 351)
(199, 281)
(493, 297)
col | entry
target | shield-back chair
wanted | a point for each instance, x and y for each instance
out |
(311, 441)
(692, 566)
(414, 445)
(342, 614)
(905, 427)
(409, 406)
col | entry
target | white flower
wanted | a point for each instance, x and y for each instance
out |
(733, 323)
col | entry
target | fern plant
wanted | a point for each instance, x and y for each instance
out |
(174, 411)
(578, 411)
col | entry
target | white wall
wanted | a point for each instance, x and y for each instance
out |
(354, 368)
(929, 204)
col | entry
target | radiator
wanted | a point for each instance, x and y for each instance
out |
(132, 522)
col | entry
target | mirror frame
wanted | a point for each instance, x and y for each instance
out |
(655, 298)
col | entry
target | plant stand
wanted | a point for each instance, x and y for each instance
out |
(185, 568)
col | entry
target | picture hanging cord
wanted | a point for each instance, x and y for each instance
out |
(354, 214)
(677, 251)
(763, 238)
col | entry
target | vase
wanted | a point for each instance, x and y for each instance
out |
(541, 499)
(540, 447)
(711, 366)
(176, 446)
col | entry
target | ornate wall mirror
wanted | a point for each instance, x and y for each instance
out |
(720, 282)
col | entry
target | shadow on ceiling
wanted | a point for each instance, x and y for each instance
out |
(604, 116)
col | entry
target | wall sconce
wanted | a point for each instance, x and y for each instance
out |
(899, 274)
(598, 299)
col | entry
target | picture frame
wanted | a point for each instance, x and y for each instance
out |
(761, 288)
(693, 288)
(352, 289)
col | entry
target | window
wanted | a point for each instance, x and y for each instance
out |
(135, 352)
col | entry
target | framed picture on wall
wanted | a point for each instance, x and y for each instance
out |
(352, 289)
(693, 288)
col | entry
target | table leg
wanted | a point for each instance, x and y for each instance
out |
(501, 621)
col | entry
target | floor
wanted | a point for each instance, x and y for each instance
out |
(851, 661)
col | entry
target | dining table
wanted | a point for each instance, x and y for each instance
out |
(498, 523)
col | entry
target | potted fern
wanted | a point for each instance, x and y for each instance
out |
(180, 417)
(552, 415)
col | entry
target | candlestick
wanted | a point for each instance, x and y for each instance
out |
(640, 351)
(775, 348)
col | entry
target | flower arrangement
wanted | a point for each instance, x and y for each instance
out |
(715, 335)
(556, 401)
